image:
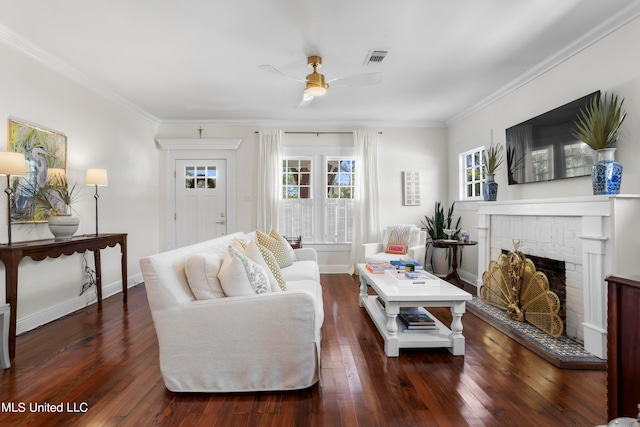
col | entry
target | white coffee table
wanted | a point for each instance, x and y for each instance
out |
(394, 297)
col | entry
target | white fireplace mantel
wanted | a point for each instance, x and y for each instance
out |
(608, 241)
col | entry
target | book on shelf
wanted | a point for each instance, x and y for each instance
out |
(405, 329)
(416, 319)
(378, 267)
(381, 302)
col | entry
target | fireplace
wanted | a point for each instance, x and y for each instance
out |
(594, 236)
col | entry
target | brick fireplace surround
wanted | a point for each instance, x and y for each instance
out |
(596, 236)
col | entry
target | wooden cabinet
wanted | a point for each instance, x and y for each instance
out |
(623, 347)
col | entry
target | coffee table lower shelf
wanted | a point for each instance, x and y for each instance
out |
(436, 338)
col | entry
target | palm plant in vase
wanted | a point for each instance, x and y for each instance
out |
(492, 159)
(597, 126)
(54, 200)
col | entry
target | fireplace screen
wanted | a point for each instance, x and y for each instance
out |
(513, 284)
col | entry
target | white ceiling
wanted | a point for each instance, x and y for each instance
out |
(197, 61)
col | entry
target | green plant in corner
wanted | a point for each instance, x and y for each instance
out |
(436, 224)
(493, 157)
(598, 123)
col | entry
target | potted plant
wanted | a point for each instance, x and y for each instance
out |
(54, 200)
(492, 159)
(435, 226)
(597, 126)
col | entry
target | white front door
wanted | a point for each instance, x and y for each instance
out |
(201, 210)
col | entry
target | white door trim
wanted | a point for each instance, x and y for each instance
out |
(185, 149)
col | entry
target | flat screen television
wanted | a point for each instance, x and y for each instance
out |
(543, 148)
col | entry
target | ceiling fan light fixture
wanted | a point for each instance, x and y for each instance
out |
(316, 85)
(314, 89)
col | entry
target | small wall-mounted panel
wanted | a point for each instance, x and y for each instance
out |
(411, 188)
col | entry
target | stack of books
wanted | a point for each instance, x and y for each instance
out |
(378, 267)
(402, 262)
(416, 320)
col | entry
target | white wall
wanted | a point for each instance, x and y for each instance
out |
(100, 134)
(611, 65)
(399, 149)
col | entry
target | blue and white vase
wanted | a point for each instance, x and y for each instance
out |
(490, 188)
(606, 174)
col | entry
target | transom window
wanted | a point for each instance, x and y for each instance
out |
(340, 175)
(296, 179)
(200, 177)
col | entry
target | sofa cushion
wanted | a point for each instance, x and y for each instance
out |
(240, 276)
(202, 276)
(301, 270)
(279, 247)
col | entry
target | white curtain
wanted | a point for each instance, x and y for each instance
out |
(366, 211)
(269, 177)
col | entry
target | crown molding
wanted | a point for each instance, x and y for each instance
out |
(616, 21)
(347, 124)
(198, 144)
(27, 48)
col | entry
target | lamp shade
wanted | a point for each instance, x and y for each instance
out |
(97, 177)
(13, 164)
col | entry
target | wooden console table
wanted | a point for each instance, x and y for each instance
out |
(11, 255)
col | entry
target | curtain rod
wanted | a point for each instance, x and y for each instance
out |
(319, 133)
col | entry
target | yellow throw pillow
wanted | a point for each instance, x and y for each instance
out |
(272, 263)
(280, 248)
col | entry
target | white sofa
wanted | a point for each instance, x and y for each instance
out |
(260, 342)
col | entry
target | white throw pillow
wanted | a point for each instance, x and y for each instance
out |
(202, 276)
(240, 276)
(253, 252)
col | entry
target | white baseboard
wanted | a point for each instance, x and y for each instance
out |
(334, 269)
(55, 312)
(468, 277)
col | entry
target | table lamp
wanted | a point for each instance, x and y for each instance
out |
(97, 177)
(11, 164)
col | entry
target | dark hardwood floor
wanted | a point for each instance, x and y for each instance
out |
(102, 362)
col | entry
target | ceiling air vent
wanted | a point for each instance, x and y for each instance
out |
(375, 57)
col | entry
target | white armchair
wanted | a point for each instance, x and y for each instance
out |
(416, 241)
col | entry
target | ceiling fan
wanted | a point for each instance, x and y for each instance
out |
(315, 84)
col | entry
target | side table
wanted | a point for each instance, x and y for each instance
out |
(454, 277)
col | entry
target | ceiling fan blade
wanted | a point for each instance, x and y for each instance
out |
(274, 70)
(306, 100)
(365, 79)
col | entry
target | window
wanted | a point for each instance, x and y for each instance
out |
(338, 212)
(200, 177)
(473, 174)
(317, 198)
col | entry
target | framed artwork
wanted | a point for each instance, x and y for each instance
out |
(43, 149)
(411, 188)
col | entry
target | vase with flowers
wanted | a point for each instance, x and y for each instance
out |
(597, 126)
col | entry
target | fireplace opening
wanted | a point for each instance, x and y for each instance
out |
(556, 275)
